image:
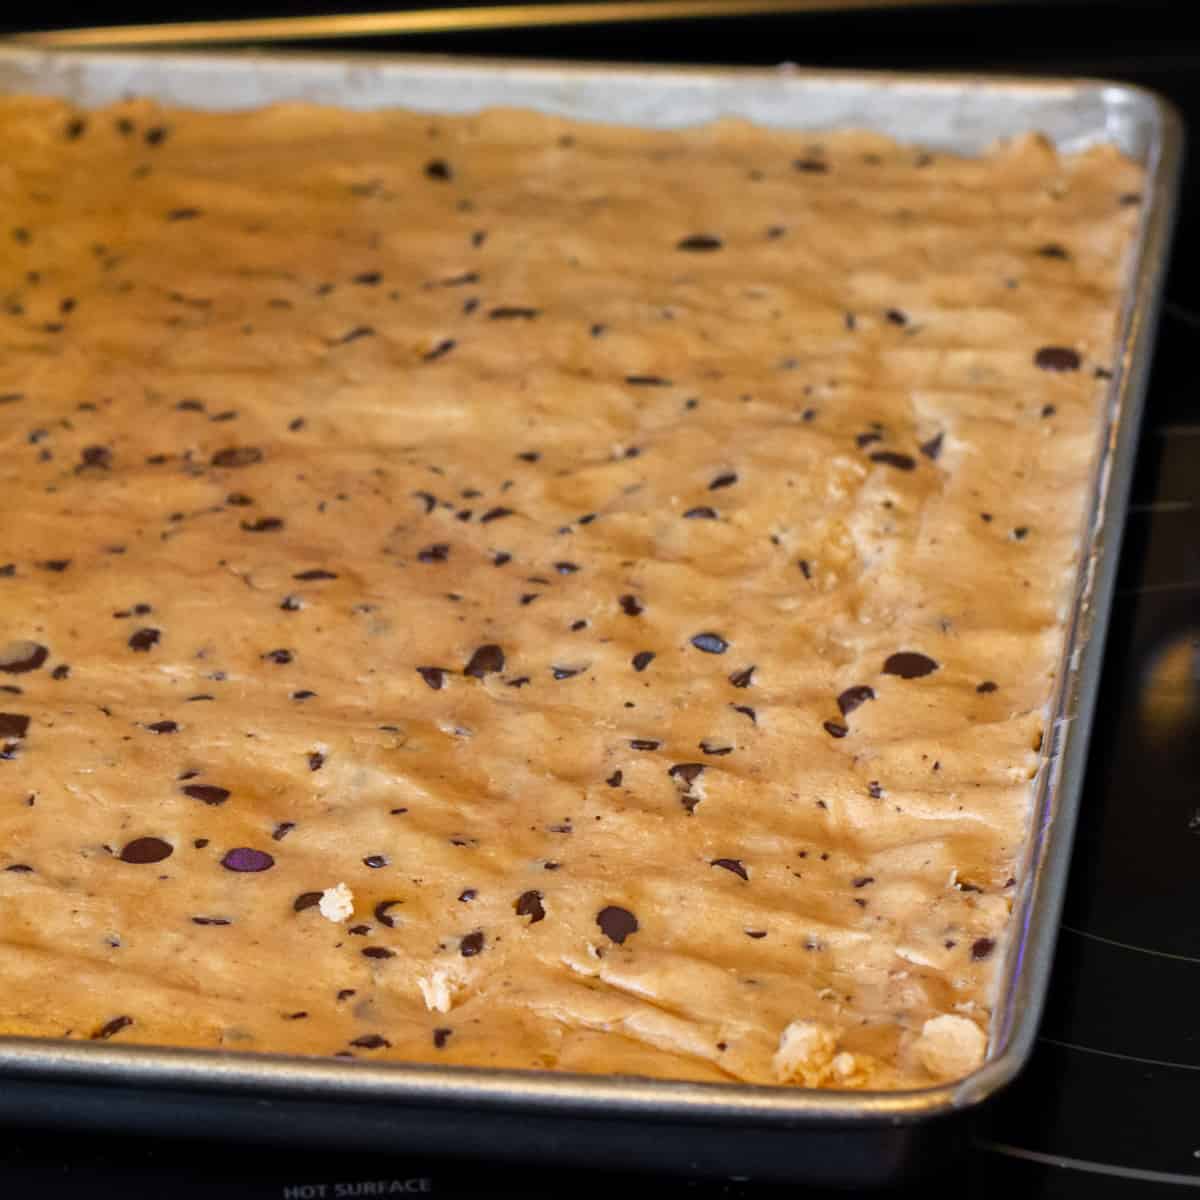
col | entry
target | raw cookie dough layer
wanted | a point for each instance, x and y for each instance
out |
(525, 593)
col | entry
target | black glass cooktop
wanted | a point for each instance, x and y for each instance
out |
(1109, 1104)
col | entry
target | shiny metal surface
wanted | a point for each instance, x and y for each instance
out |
(938, 111)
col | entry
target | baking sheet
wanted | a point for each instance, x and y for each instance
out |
(946, 113)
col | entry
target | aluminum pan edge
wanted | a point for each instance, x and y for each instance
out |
(1084, 111)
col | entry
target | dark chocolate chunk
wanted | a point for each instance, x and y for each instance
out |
(306, 900)
(439, 169)
(211, 921)
(61, 671)
(263, 525)
(685, 774)
(487, 660)
(438, 552)
(314, 575)
(981, 948)
(647, 381)
(642, 659)
(237, 456)
(377, 952)
(97, 458)
(743, 678)
(371, 1041)
(520, 681)
(13, 725)
(875, 790)
(183, 214)
(852, 697)
(710, 643)
(375, 861)
(986, 686)
(892, 458)
(291, 604)
(810, 165)
(616, 923)
(731, 864)
(144, 639)
(932, 448)
(615, 779)
(163, 727)
(566, 672)
(282, 830)
(701, 513)
(246, 859)
(434, 676)
(303, 694)
(716, 749)
(644, 744)
(700, 242)
(383, 912)
(566, 568)
(862, 440)
(146, 850)
(500, 558)
(471, 944)
(514, 313)
(724, 480)
(439, 351)
(529, 904)
(835, 729)
(746, 711)
(467, 895)
(57, 565)
(1057, 358)
(1020, 533)
(441, 1037)
(354, 335)
(316, 760)
(909, 664)
(110, 1027)
(1052, 250)
(19, 657)
(631, 606)
(495, 514)
(20, 869)
(280, 657)
(896, 317)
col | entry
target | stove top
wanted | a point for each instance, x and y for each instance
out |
(1107, 1106)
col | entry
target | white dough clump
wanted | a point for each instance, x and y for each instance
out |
(337, 903)
(950, 1047)
(435, 991)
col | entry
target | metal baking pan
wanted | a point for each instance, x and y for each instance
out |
(713, 1129)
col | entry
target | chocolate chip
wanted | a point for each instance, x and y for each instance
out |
(631, 606)
(644, 744)
(863, 880)
(471, 944)
(375, 861)
(306, 900)
(20, 869)
(57, 565)
(439, 351)
(438, 552)
(529, 904)
(377, 952)
(434, 676)
(144, 639)
(1020, 533)
(383, 913)
(891, 458)
(97, 458)
(642, 659)
(314, 575)
(19, 657)
(280, 657)
(986, 686)
(237, 456)
(75, 129)
(700, 242)
(211, 921)
(909, 664)
(303, 694)
(716, 749)
(183, 214)
(813, 166)
(1057, 358)
(853, 697)
(743, 678)
(500, 558)
(834, 729)
(566, 672)
(163, 727)
(110, 1027)
(805, 569)
(724, 480)
(441, 1037)
(982, 948)
(263, 525)
(932, 448)
(616, 923)
(896, 317)
(710, 643)
(316, 760)
(495, 514)
(1052, 250)
(702, 513)
(282, 830)
(731, 864)
(146, 850)
(614, 780)
(246, 859)
(487, 660)
(875, 790)
(439, 169)
(13, 725)
(514, 313)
